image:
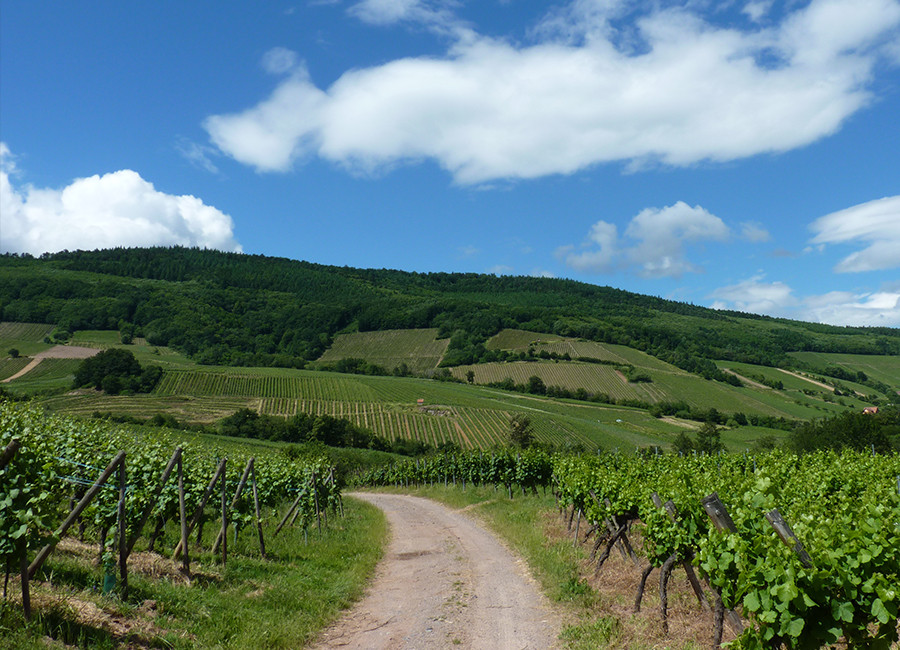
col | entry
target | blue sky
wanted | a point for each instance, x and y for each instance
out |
(741, 154)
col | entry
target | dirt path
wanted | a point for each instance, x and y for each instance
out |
(445, 582)
(749, 382)
(811, 381)
(56, 352)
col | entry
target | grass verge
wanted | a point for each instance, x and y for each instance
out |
(282, 602)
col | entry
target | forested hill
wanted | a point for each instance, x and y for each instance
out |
(230, 308)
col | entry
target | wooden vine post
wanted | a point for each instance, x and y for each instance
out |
(220, 539)
(5, 460)
(223, 532)
(9, 452)
(123, 542)
(259, 530)
(788, 537)
(185, 559)
(136, 533)
(198, 513)
(717, 512)
(85, 501)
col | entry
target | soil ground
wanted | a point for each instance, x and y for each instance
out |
(445, 582)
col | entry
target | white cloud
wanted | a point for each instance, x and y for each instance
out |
(542, 273)
(659, 237)
(500, 269)
(757, 10)
(273, 134)
(754, 232)
(664, 87)
(434, 15)
(385, 12)
(115, 209)
(875, 309)
(198, 155)
(861, 309)
(756, 297)
(279, 60)
(876, 223)
(663, 233)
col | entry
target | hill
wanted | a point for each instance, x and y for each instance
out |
(234, 309)
(589, 365)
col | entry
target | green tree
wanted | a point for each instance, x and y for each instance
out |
(520, 432)
(470, 376)
(709, 440)
(536, 385)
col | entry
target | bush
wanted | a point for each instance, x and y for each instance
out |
(116, 370)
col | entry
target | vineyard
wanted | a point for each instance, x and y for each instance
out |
(52, 479)
(419, 349)
(787, 551)
(806, 549)
(525, 470)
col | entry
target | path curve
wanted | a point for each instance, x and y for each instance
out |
(445, 582)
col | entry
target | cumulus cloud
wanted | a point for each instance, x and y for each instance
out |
(875, 224)
(115, 209)
(657, 85)
(756, 297)
(861, 309)
(658, 238)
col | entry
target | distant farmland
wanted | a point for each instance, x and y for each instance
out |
(419, 349)
(594, 378)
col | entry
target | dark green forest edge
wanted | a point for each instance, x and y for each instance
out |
(251, 310)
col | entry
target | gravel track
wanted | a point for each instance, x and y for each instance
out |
(444, 582)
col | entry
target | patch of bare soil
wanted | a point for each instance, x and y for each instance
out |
(67, 352)
(445, 582)
(617, 581)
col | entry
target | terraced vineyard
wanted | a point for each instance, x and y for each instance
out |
(288, 384)
(419, 349)
(9, 367)
(24, 331)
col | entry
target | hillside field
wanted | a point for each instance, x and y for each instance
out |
(474, 416)
(419, 349)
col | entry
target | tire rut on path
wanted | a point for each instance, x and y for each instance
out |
(444, 582)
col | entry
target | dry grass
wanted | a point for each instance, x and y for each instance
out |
(690, 625)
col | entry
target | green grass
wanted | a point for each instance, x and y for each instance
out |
(282, 602)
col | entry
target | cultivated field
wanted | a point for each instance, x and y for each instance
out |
(594, 378)
(474, 416)
(419, 349)
(882, 368)
(521, 340)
